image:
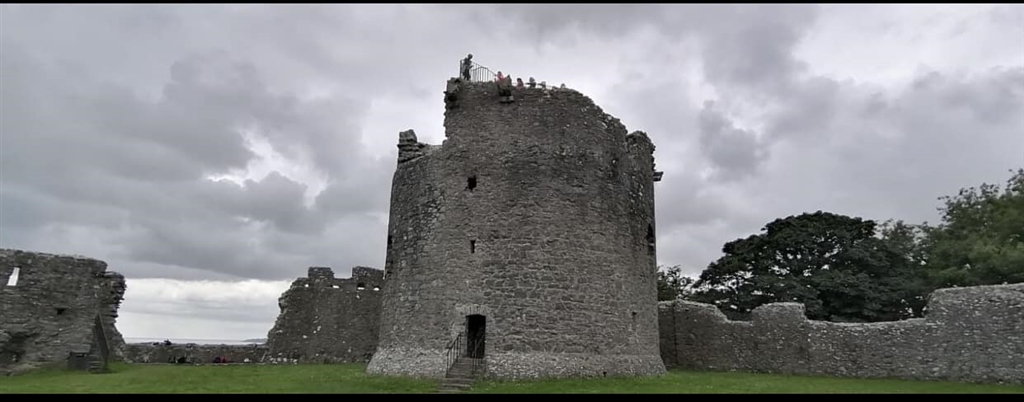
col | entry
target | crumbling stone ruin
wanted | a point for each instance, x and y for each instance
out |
(190, 353)
(526, 239)
(972, 334)
(50, 306)
(451, 93)
(328, 320)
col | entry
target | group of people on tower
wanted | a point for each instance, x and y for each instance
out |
(467, 65)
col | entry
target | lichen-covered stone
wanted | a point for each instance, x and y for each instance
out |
(539, 215)
(972, 334)
(328, 320)
(51, 310)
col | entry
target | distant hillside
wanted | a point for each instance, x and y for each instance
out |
(256, 340)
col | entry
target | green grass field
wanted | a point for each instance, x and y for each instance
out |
(349, 378)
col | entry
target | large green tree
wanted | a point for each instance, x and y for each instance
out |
(980, 238)
(841, 268)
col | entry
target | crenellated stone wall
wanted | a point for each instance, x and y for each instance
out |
(324, 319)
(50, 310)
(972, 334)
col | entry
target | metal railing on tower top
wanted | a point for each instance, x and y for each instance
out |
(478, 73)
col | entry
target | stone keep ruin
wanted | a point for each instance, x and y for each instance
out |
(526, 240)
(57, 309)
(525, 243)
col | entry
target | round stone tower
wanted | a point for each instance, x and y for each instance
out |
(525, 240)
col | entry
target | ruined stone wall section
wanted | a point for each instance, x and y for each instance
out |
(537, 211)
(973, 334)
(143, 353)
(324, 319)
(115, 288)
(51, 310)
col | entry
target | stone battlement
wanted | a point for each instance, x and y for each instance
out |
(576, 122)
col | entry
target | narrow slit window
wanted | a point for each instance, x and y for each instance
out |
(650, 239)
(472, 246)
(13, 280)
(471, 183)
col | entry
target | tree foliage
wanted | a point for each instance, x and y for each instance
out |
(850, 269)
(839, 267)
(980, 238)
(672, 284)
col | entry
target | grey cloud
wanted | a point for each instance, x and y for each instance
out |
(275, 199)
(73, 147)
(544, 22)
(1010, 15)
(756, 56)
(893, 156)
(364, 192)
(746, 47)
(61, 123)
(734, 152)
(808, 110)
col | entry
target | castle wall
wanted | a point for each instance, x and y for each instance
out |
(973, 334)
(553, 244)
(195, 354)
(324, 319)
(51, 310)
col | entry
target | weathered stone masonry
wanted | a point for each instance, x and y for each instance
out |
(196, 354)
(537, 215)
(973, 334)
(328, 320)
(51, 310)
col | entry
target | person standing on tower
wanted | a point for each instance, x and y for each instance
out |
(466, 64)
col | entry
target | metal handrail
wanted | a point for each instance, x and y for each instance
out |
(454, 352)
(478, 73)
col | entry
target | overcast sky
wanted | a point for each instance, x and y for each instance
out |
(211, 153)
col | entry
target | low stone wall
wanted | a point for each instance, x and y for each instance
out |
(973, 334)
(194, 354)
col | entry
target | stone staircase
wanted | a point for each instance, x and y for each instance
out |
(96, 365)
(461, 376)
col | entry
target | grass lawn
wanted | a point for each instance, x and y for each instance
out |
(349, 378)
(688, 382)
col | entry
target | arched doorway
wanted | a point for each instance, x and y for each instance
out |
(476, 331)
